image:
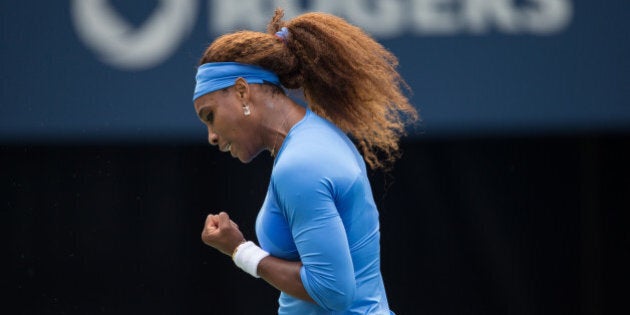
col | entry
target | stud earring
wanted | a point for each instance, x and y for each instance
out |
(246, 110)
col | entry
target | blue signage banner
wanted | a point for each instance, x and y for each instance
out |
(116, 71)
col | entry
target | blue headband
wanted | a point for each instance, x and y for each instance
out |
(219, 75)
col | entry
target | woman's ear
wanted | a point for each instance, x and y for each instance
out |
(242, 93)
(242, 89)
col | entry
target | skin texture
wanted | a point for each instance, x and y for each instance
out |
(272, 116)
(246, 136)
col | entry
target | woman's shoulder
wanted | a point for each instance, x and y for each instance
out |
(316, 140)
(317, 150)
(315, 134)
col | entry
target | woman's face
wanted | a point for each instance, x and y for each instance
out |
(228, 127)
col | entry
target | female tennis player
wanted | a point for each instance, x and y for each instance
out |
(318, 228)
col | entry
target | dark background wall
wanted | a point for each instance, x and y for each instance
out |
(469, 226)
(510, 197)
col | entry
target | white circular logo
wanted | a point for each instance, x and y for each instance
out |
(122, 45)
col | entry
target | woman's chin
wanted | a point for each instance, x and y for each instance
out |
(244, 158)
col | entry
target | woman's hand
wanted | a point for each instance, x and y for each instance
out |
(222, 233)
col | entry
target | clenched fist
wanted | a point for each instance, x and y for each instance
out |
(222, 233)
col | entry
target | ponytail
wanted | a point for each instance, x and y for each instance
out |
(346, 76)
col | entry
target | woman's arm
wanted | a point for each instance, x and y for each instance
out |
(325, 274)
(284, 275)
(224, 235)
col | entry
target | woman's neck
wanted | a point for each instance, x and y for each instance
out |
(282, 114)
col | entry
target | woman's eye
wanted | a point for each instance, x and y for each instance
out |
(209, 117)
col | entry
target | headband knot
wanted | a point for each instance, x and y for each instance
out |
(215, 76)
(283, 34)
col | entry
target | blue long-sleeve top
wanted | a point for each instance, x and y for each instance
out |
(319, 210)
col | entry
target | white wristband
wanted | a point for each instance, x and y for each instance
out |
(247, 256)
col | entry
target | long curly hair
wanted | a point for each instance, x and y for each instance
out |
(346, 76)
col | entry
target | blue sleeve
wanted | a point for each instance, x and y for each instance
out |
(307, 199)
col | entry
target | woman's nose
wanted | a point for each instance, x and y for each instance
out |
(212, 137)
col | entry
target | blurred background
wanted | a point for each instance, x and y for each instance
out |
(510, 197)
